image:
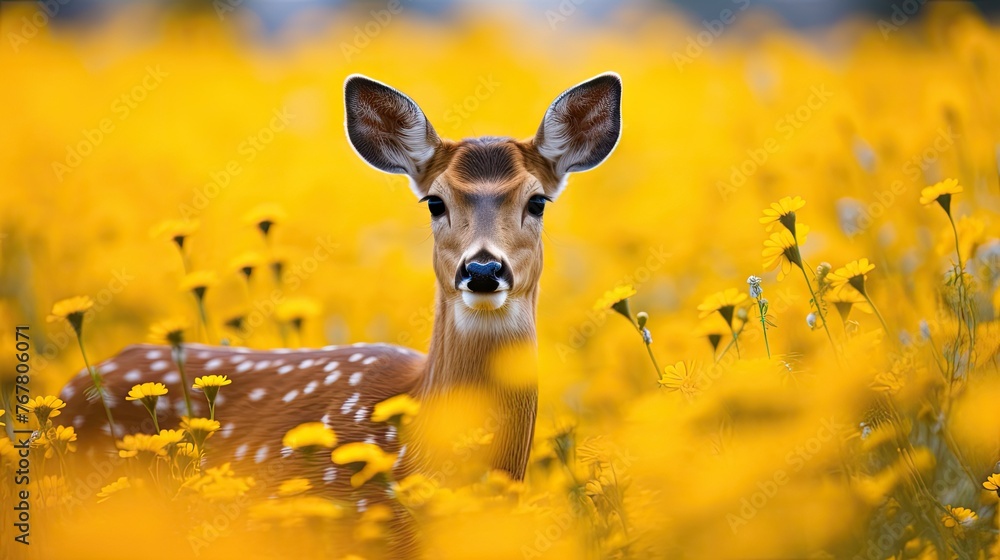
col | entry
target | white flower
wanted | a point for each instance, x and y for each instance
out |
(811, 320)
(755, 289)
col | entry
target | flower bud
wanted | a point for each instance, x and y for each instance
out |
(641, 318)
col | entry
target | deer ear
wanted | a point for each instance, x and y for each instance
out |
(582, 126)
(386, 128)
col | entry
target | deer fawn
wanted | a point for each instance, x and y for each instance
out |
(486, 197)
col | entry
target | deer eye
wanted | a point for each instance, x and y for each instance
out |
(435, 205)
(536, 205)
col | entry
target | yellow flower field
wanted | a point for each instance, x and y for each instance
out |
(183, 182)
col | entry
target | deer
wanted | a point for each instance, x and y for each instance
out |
(486, 197)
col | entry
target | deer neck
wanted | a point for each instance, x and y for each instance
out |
(491, 355)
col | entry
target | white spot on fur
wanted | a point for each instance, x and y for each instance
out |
(281, 351)
(244, 366)
(285, 369)
(325, 420)
(237, 358)
(331, 366)
(362, 504)
(257, 394)
(79, 420)
(133, 376)
(227, 430)
(310, 387)
(172, 377)
(290, 396)
(349, 403)
(213, 364)
(154, 355)
(355, 378)
(369, 361)
(330, 379)
(390, 433)
(261, 454)
(68, 392)
(370, 439)
(307, 363)
(241, 452)
(159, 365)
(330, 474)
(202, 355)
(108, 367)
(286, 451)
(355, 357)
(359, 416)
(264, 364)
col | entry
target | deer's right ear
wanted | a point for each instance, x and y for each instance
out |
(386, 128)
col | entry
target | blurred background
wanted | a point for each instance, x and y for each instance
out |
(119, 119)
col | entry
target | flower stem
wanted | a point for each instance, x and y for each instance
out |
(963, 290)
(95, 377)
(178, 355)
(763, 325)
(819, 309)
(653, 358)
(871, 303)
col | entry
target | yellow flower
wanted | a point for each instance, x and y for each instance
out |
(782, 212)
(680, 377)
(993, 483)
(845, 298)
(296, 310)
(940, 193)
(309, 435)
(45, 407)
(72, 310)
(176, 230)
(959, 517)
(219, 484)
(117, 486)
(293, 486)
(211, 384)
(198, 282)
(146, 391)
(246, 262)
(781, 250)
(401, 408)
(169, 332)
(724, 303)
(370, 457)
(57, 441)
(616, 299)
(855, 274)
(141, 444)
(265, 216)
(200, 428)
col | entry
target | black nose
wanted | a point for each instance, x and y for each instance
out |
(481, 277)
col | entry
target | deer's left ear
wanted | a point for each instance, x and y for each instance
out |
(582, 126)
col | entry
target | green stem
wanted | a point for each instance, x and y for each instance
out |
(819, 310)
(763, 325)
(178, 355)
(963, 290)
(152, 412)
(95, 378)
(653, 358)
(871, 303)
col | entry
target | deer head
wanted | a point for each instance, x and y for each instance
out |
(486, 196)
